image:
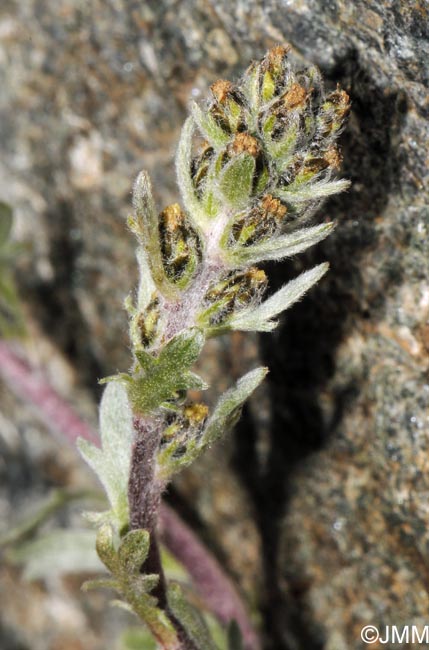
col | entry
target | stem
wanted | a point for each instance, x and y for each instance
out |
(182, 313)
(214, 586)
(144, 496)
(30, 386)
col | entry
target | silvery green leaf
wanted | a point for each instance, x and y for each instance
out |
(209, 127)
(143, 202)
(259, 319)
(190, 618)
(222, 419)
(146, 360)
(169, 374)
(105, 546)
(227, 409)
(146, 583)
(57, 552)
(210, 200)
(100, 583)
(133, 551)
(95, 459)
(310, 191)
(111, 463)
(251, 87)
(121, 604)
(146, 286)
(120, 378)
(282, 150)
(236, 179)
(98, 519)
(194, 381)
(145, 222)
(40, 513)
(145, 226)
(183, 170)
(277, 248)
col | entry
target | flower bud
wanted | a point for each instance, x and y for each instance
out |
(262, 221)
(184, 425)
(180, 246)
(145, 324)
(227, 106)
(234, 292)
(245, 143)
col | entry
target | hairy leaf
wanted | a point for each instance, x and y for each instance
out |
(183, 169)
(209, 127)
(222, 419)
(100, 583)
(133, 551)
(111, 463)
(310, 191)
(146, 286)
(228, 407)
(236, 179)
(106, 548)
(190, 618)
(260, 319)
(168, 373)
(277, 248)
(57, 552)
(283, 150)
(145, 226)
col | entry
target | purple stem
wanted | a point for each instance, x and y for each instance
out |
(144, 496)
(29, 385)
(211, 582)
(213, 585)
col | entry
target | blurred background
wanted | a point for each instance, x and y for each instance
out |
(318, 504)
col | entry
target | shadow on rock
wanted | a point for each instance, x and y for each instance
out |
(302, 354)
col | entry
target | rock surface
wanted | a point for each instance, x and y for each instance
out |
(333, 496)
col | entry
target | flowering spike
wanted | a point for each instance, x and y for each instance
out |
(252, 164)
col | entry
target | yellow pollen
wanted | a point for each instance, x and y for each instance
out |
(172, 217)
(196, 413)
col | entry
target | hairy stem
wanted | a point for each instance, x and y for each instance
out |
(181, 314)
(144, 496)
(214, 586)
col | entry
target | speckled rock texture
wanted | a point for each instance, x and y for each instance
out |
(321, 510)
